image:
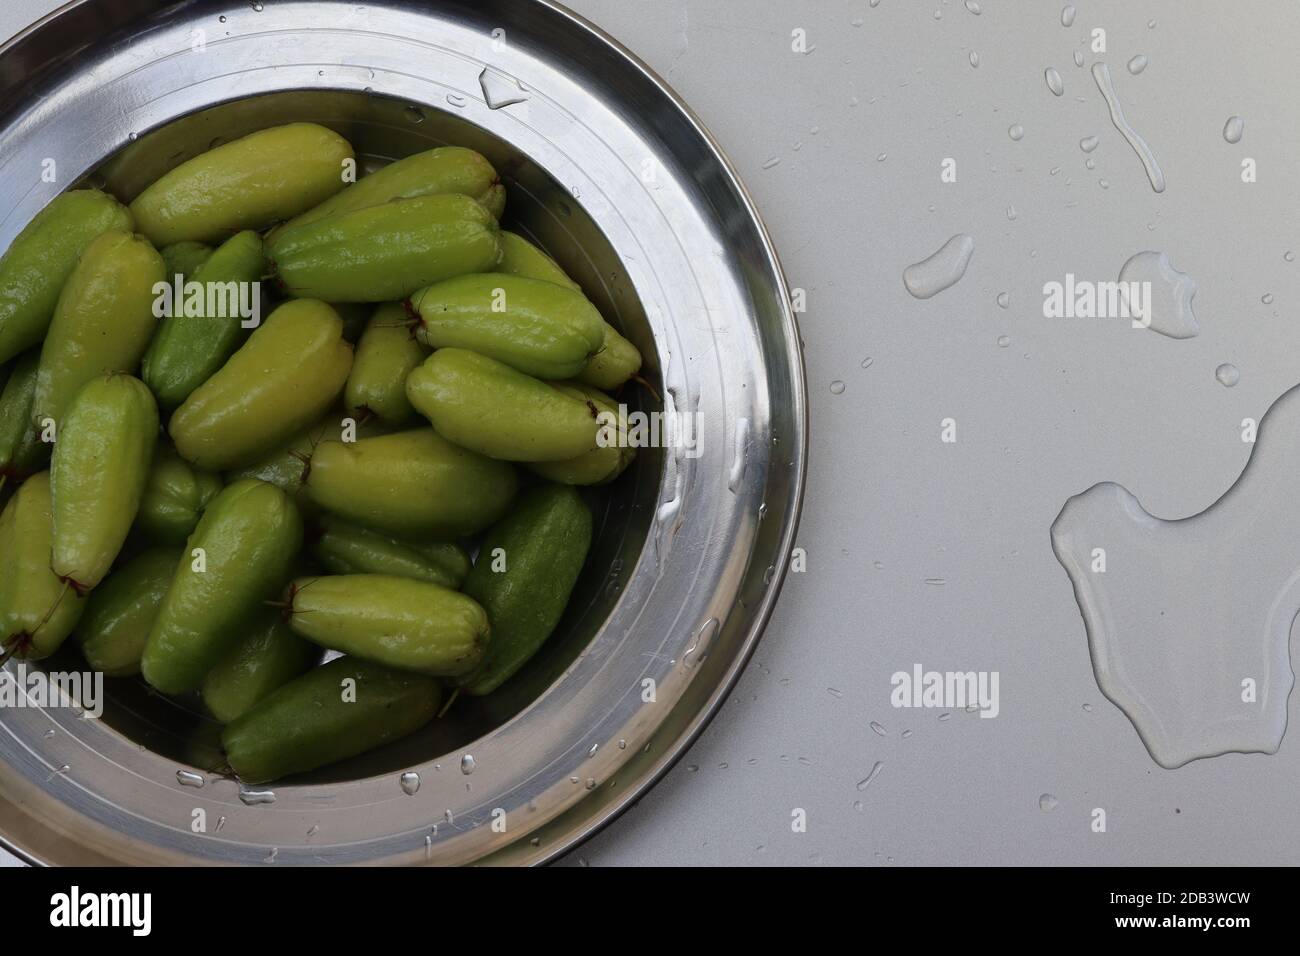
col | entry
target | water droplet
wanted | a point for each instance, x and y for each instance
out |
(1087, 708)
(1171, 293)
(221, 19)
(409, 782)
(1101, 76)
(467, 764)
(1067, 15)
(936, 582)
(1137, 64)
(1004, 300)
(500, 89)
(1289, 256)
(739, 455)
(188, 778)
(257, 6)
(1047, 802)
(253, 798)
(1227, 374)
(1267, 298)
(1088, 143)
(1016, 132)
(774, 161)
(880, 158)
(414, 114)
(875, 772)
(270, 857)
(221, 822)
(974, 59)
(1078, 58)
(1054, 81)
(905, 734)
(1104, 183)
(1004, 341)
(878, 729)
(1090, 163)
(457, 100)
(940, 270)
(622, 744)
(837, 387)
(704, 637)
(973, 7)
(1233, 129)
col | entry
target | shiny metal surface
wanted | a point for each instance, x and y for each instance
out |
(620, 182)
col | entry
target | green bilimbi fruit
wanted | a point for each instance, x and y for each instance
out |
(447, 169)
(617, 359)
(488, 407)
(269, 657)
(612, 454)
(412, 485)
(197, 338)
(542, 544)
(384, 253)
(265, 177)
(520, 257)
(37, 610)
(540, 328)
(183, 258)
(386, 354)
(344, 548)
(98, 473)
(399, 622)
(121, 611)
(239, 556)
(283, 378)
(332, 712)
(103, 322)
(616, 362)
(174, 496)
(22, 453)
(39, 261)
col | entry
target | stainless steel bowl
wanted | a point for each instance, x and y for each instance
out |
(620, 182)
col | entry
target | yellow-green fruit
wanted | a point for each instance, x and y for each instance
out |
(239, 556)
(22, 453)
(103, 322)
(284, 377)
(412, 484)
(385, 355)
(447, 169)
(384, 253)
(174, 496)
(520, 257)
(612, 454)
(98, 473)
(183, 258)
(489, 407)
(265, 177)
(269, 657)
(538, 327)
(399, 622)
(39, 261)
(121, 611)
(616, 362)
(344, 548)
(332, 712)
(37, 610)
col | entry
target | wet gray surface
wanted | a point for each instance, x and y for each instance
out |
(937, 553)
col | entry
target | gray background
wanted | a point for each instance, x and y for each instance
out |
(938, 554)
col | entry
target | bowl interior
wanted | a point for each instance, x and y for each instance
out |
(381, 130)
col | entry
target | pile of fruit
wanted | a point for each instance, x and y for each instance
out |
(207, 498)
